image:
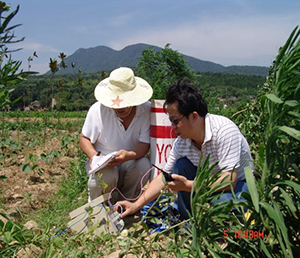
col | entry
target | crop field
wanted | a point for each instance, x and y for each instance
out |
(35, 156)
(42, 176)
(42, 180)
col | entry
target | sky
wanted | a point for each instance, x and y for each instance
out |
(227, 32)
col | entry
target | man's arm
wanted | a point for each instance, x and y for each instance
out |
(139, 152)
(86, 146)
(231, 177)
(183, 184)
(149, 195)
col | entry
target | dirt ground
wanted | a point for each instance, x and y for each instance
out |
(23, 193)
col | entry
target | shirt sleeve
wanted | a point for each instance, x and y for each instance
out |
(173, 157)
(145, 127)
(91, 126)
(229, 146)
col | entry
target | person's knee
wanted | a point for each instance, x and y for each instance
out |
(182, 163)
(108, 178)
(138, 167)
(92, 183)
(182, 166)
(142, 164)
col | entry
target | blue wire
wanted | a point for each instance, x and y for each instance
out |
(64, 231)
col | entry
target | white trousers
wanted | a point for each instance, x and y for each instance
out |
(126, 177)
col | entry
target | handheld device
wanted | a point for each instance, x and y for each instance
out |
(116, 221)
(167, 175)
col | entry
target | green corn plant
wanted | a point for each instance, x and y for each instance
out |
(214, 225)
(9, 68)
(280, 186)
(12, 236)
(274, 199)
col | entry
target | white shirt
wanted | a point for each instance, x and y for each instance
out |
(107, 133)
(223, 141)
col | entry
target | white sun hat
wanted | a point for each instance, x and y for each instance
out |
(123, 89)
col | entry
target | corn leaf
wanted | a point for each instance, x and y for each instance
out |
(264, 248)
(291, 103)
(274, 98)
(252, 188)
(291, 131)
(295, 114)
(284, 229)
(291, 184)
(274, 213)
(289, 202)
(286, 46)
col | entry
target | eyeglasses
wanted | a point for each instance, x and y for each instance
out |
(175, 121)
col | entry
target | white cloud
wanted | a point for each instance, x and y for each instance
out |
(41, 67)
(121, 20)
(44, 52)
(241, 41)
(35, 46)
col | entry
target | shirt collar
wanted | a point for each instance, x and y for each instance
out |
(208, 132)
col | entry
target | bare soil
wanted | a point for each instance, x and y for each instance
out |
(23, 193)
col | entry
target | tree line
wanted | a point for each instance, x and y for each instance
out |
(74, 94)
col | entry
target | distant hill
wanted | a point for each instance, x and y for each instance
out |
(103, 58)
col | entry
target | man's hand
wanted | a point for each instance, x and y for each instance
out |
(128, 208)
(180, 184)
(120, 157)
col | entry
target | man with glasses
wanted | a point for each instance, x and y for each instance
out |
(198, 133)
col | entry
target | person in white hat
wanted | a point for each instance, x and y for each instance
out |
(118, 122)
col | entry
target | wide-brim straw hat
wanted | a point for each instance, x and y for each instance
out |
(122, 89)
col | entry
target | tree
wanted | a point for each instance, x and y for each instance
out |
(160, 68)
(9, 69)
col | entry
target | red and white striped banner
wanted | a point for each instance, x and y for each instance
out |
(161, 135)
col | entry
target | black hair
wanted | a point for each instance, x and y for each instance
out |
(188, 97)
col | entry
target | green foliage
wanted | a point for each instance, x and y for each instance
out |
(9, 74)
(280, 171)
(231, 88)
(272, 122)
(161, 68)
(60, 98)
(8, 147)
(30, 164)
(209, 219)
(12, 236)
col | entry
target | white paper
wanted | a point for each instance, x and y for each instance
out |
(100, 162)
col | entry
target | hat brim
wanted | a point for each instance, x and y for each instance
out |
(139, 95)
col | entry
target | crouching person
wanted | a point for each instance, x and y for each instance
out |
(119, 122)
(198, 133)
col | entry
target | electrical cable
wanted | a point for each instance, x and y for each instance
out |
(125, 198)
(110, 205)
(86, 212)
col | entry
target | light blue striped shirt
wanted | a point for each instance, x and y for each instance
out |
(224, 143)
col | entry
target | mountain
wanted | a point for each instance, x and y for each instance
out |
(103, 58)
